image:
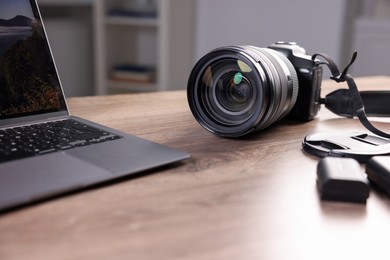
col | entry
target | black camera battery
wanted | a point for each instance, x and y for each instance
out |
(378, 172)
(341, 179)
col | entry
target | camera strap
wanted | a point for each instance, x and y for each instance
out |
(349, 102)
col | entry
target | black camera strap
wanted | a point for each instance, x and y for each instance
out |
(340, 102)
(350, 102)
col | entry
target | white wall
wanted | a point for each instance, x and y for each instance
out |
(317, 25)
(372, 39)
(71, 47)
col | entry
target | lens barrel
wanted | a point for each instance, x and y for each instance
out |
(236, 90)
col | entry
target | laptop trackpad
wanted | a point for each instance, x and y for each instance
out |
(128, 155)
(45, 175)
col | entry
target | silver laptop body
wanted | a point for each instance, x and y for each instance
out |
(31, 93)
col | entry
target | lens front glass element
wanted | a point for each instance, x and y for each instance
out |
(234, 92)
(228, 90)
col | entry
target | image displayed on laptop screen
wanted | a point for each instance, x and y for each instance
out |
(28, 80)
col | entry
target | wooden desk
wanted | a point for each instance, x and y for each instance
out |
(254, 198)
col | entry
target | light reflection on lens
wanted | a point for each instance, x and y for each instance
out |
(238, 78)
(208, 77)
(243, 66)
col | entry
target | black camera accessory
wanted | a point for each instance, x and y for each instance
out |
(354, 96)
(359, 146)
(340, 102)
(350, 103)
(341, 179)
(378, 172)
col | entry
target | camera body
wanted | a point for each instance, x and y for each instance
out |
(235, 90)
(309, 74)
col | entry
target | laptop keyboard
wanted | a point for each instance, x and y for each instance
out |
(43, 138)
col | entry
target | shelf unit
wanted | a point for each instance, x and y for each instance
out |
(164, 42)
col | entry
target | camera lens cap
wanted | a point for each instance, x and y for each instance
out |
(359, 146)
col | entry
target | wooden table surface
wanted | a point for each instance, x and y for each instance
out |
(253, 198)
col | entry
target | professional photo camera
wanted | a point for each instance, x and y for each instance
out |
(235, 90)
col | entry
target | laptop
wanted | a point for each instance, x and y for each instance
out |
(44, 151)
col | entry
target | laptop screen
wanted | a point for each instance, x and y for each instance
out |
(29, 84)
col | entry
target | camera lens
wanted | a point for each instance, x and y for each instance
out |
(227, 92)
(236, 90)
(234, 96)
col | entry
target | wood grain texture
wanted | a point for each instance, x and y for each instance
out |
(252, 198)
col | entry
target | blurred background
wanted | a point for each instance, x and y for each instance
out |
(116, 46)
